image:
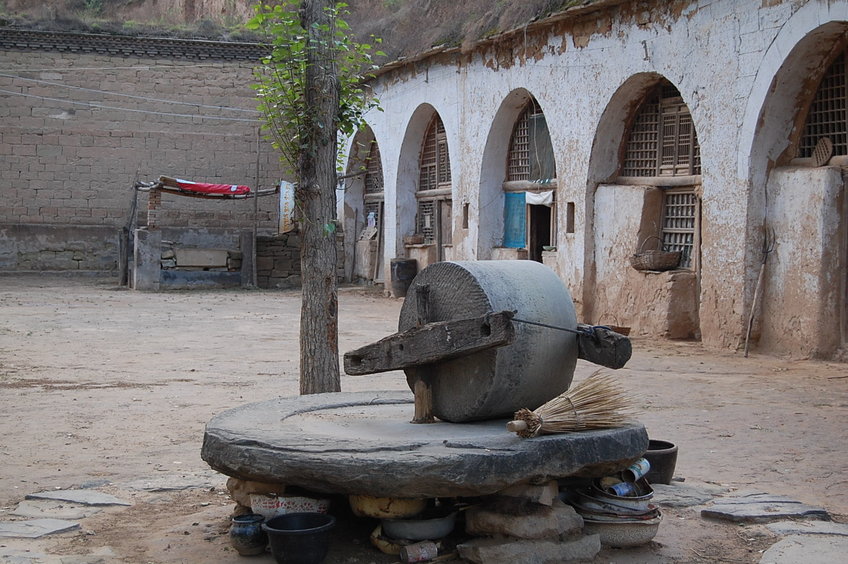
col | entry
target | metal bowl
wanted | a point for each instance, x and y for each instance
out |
(613, 518)
(584, 501)
(623, 533)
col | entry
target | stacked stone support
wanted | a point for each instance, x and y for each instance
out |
(527, 524)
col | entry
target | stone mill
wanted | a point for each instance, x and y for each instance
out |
(477, 341)
(535, 366)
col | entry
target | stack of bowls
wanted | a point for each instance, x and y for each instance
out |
(623, 515)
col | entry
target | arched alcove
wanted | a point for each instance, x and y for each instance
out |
(643, 191)
(796, 202)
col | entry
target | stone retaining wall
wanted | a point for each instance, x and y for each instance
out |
(278, 260)
(75, 248)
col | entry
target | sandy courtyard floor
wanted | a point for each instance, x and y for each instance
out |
(109, 388)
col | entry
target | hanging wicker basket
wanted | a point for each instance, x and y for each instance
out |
(654, 259)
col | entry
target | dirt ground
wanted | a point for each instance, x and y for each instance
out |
(110, 388)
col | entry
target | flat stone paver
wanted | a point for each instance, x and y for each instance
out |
(84, 497)
(363, 443)
(758, 507)
(9, 555)
(171, 483)
(54, 509)
(808, 528)
(809, 549)
(20, 555)
(36, 528)
(677, 494)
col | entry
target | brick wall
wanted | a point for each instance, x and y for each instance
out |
(80, 121)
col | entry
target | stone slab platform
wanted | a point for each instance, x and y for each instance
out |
(363, 443)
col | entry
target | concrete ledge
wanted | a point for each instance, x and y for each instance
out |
(188, 279)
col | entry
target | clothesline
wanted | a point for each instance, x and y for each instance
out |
(203, 189)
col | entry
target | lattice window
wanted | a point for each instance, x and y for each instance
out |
(373, 171)
(640, 158)
(678, 224)
(678, 139)
(434, 164)
(426, 221)
(827, 116)
(518, 167)
(531, 155)
(662, 139)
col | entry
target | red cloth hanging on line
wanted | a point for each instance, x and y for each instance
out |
(205, 187)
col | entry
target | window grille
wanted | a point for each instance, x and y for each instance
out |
(427, 221)
(373, 171)
(434, 164)
(678, 231)
(662, 140)
(531, 155)
(676, 157)
(827, 116)
(519, 153)
(640, 157)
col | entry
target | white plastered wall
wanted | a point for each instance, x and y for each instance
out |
(722, 56)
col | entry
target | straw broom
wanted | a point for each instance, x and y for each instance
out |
(596, 403)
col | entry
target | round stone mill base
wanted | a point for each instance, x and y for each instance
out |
(363, 443)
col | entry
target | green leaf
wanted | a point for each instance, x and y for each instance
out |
(281, 75)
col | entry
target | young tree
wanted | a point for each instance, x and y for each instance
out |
(310, 89)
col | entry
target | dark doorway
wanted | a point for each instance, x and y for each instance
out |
(539, 230)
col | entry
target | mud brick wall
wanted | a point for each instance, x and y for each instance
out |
(82, 117)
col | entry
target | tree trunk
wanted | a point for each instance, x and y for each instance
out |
(319, 348)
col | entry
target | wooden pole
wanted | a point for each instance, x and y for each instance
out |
(423, 387)
(254, 282)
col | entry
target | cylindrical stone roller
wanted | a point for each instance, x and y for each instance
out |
(536, 367)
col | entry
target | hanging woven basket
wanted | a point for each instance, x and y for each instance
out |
(654, 259)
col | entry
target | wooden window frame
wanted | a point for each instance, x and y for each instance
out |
(440, 232)
(661, 141)
(373, 170)
(434, 171)
(434, 186)
(827, 114)
(673, 227)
